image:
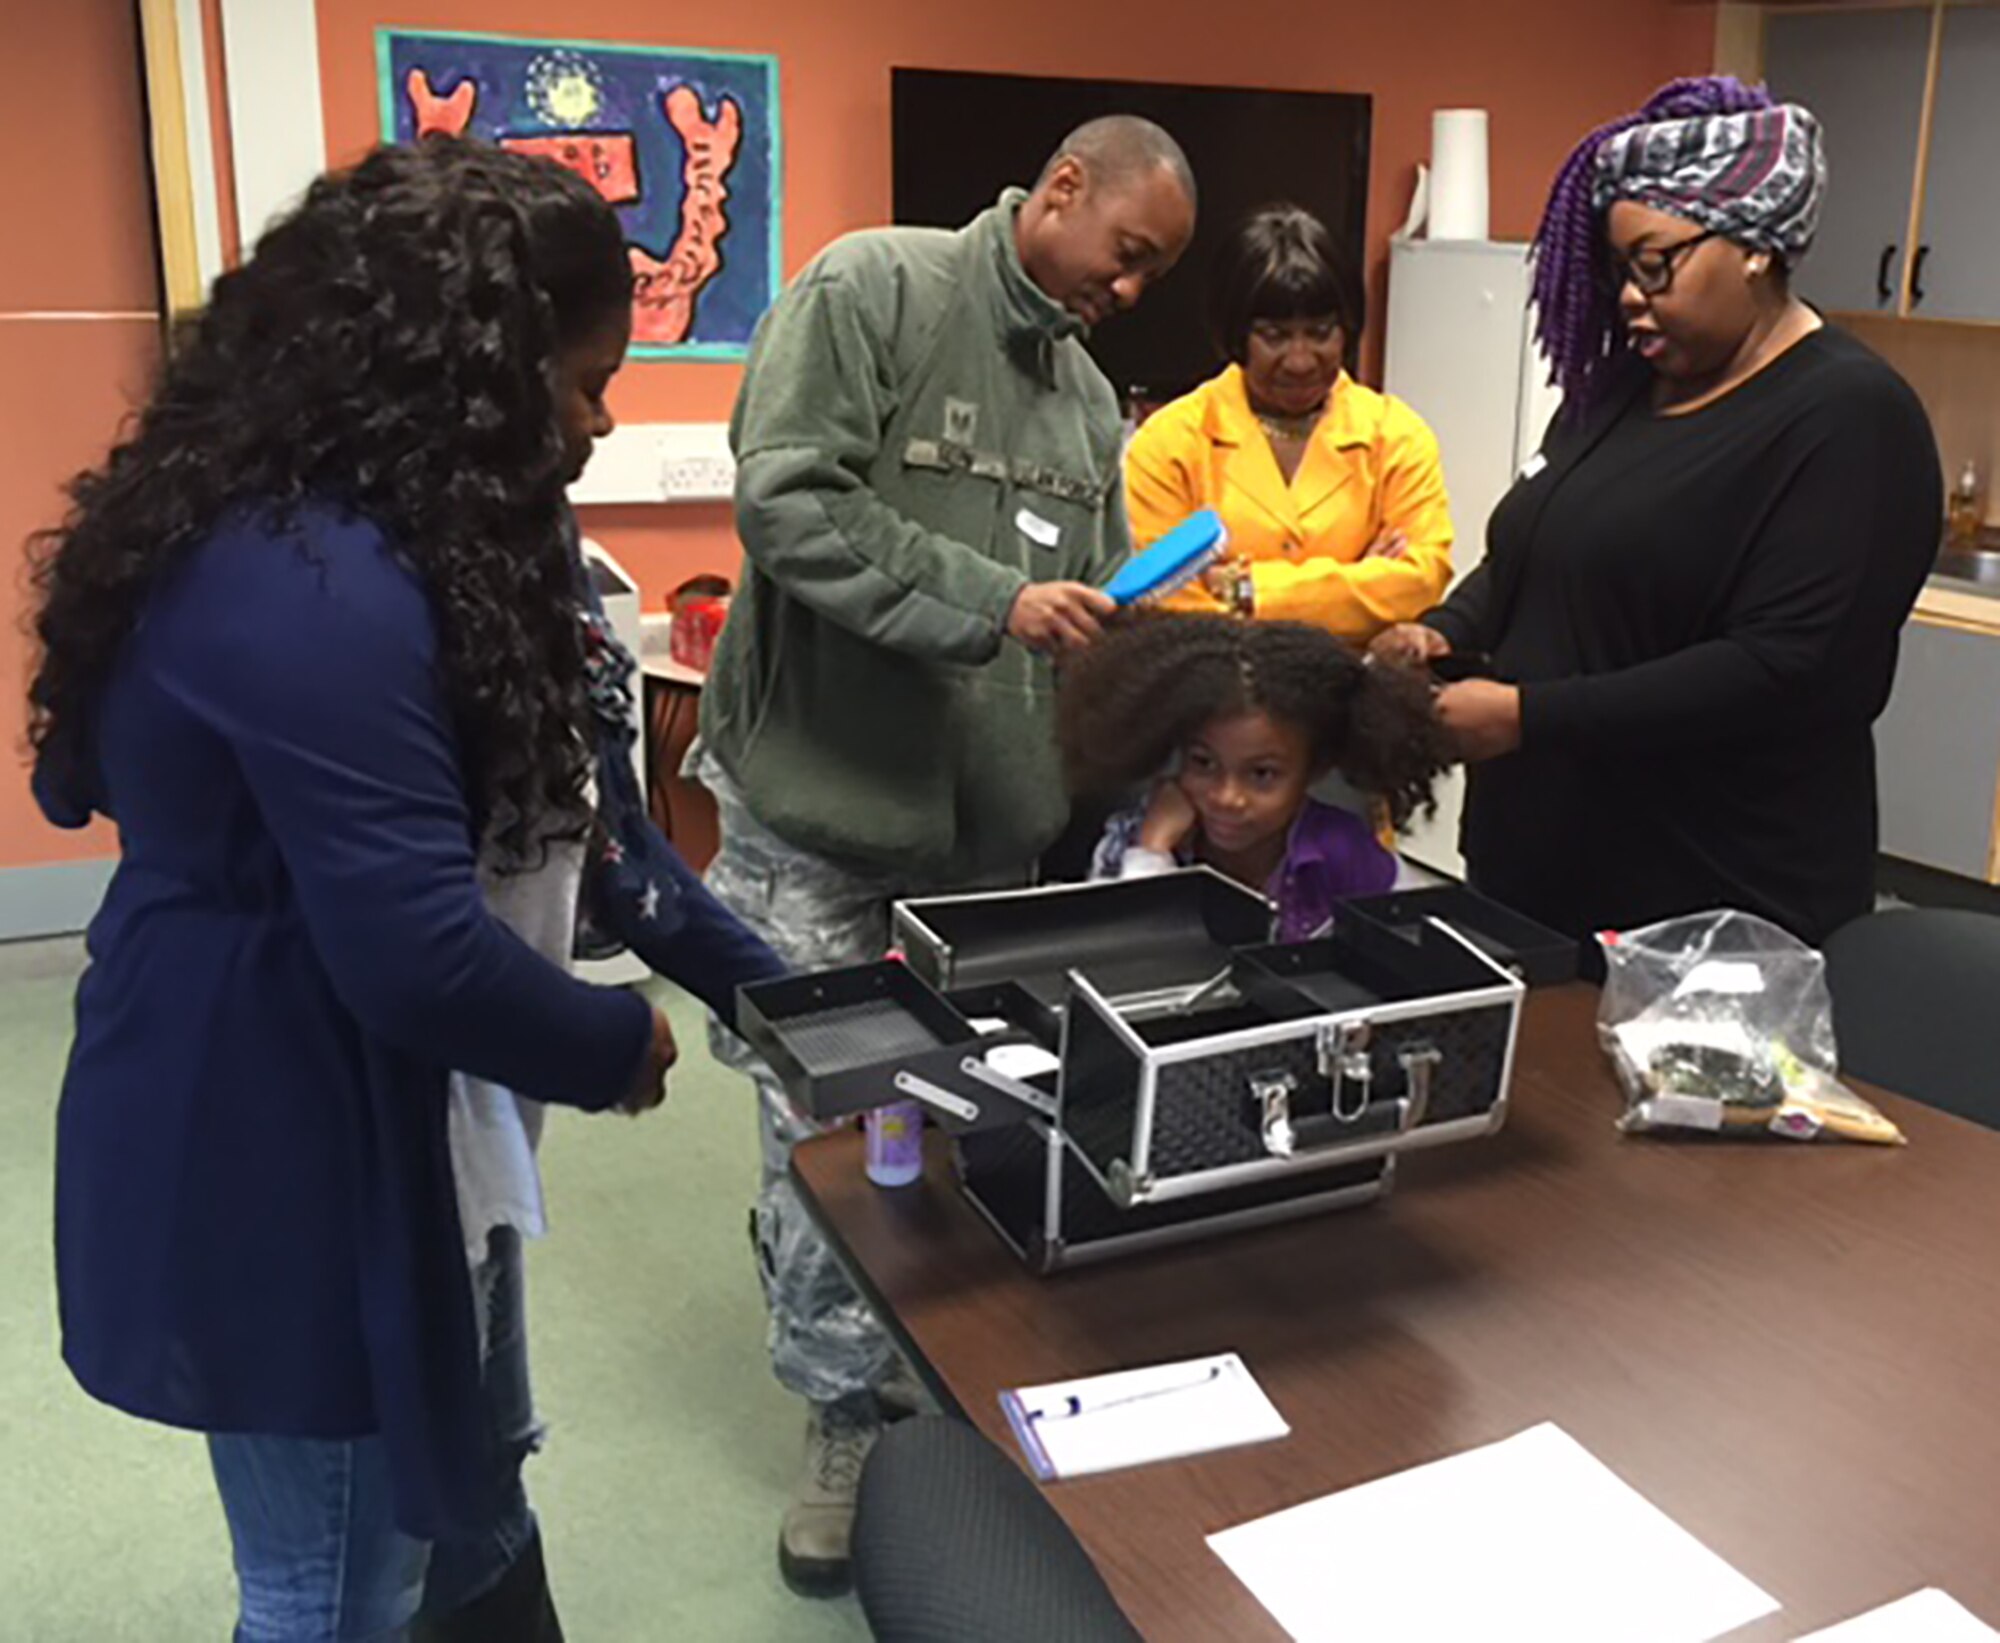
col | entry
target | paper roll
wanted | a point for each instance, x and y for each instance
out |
(1420, 202)
(1458, 175)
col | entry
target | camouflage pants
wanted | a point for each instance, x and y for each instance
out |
(826, 1341)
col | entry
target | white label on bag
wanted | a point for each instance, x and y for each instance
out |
(1722, 975)
(1036, 529)
(1796, 1123)
(1682, 1112)
(1535, 464)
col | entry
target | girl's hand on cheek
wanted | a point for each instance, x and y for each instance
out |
(1170, 819)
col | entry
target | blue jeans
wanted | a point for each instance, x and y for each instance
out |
(319, 1558)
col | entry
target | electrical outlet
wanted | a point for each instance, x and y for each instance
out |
(691, 478)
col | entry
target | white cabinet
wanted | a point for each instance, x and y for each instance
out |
(1866, 72)
(1958, 270)
(1461, 355)
(1862, 73)
(1937, 750)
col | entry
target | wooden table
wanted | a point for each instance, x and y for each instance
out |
(1793, 1350)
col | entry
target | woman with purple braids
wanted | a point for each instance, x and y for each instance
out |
(1690, 603)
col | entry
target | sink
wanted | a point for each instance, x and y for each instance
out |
(1976, 567)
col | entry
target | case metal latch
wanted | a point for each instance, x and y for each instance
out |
(1273, 1094)
(1344, 1061)
(1355, 1128)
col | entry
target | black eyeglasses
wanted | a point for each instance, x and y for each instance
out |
(1653, 269)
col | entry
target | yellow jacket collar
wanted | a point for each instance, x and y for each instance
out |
(1351, 421)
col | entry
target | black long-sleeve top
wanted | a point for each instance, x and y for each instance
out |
(1702, 613)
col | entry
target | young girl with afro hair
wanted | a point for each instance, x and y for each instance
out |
(1234, 722)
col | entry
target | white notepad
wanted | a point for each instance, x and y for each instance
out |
(1532, 1538)
(1923, 1617)
(1069, 1429)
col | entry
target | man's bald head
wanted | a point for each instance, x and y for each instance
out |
(1112, 212)
(1116, 150)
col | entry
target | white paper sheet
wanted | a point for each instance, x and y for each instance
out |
(1532, 1538)
(1923, 1617)
(1068, 1429)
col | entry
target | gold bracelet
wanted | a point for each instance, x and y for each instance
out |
(1242, 600)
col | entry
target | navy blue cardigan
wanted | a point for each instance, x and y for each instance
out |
(256, 1228)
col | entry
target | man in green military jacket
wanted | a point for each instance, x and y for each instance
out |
(929, 496)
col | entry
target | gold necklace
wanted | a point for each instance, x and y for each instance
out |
(1293, 429)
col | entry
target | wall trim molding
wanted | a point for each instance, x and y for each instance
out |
(58, 899)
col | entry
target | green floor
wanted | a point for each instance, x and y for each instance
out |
(671, 1448)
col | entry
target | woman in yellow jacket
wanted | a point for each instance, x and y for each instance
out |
(1333, 493)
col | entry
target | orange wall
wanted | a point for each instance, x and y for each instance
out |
(75, 196)
(1547, 69)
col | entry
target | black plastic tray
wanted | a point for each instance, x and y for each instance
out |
(1012, 1003)
(820, 1032)
(1361, 964)
(1130, 937)
(1537, 954)
(838, 1039)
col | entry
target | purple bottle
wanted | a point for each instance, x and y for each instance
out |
(895, 1137)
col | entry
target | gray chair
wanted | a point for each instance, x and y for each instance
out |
(1916, 1005)
(953, 1543)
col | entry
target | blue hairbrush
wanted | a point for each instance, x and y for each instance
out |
(1187, 550)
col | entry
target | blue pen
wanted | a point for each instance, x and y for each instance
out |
(1074, 1404)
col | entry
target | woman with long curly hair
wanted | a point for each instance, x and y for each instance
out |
(1234, 722)
(313, 637)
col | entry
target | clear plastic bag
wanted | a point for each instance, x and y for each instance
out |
(1722, 1022)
